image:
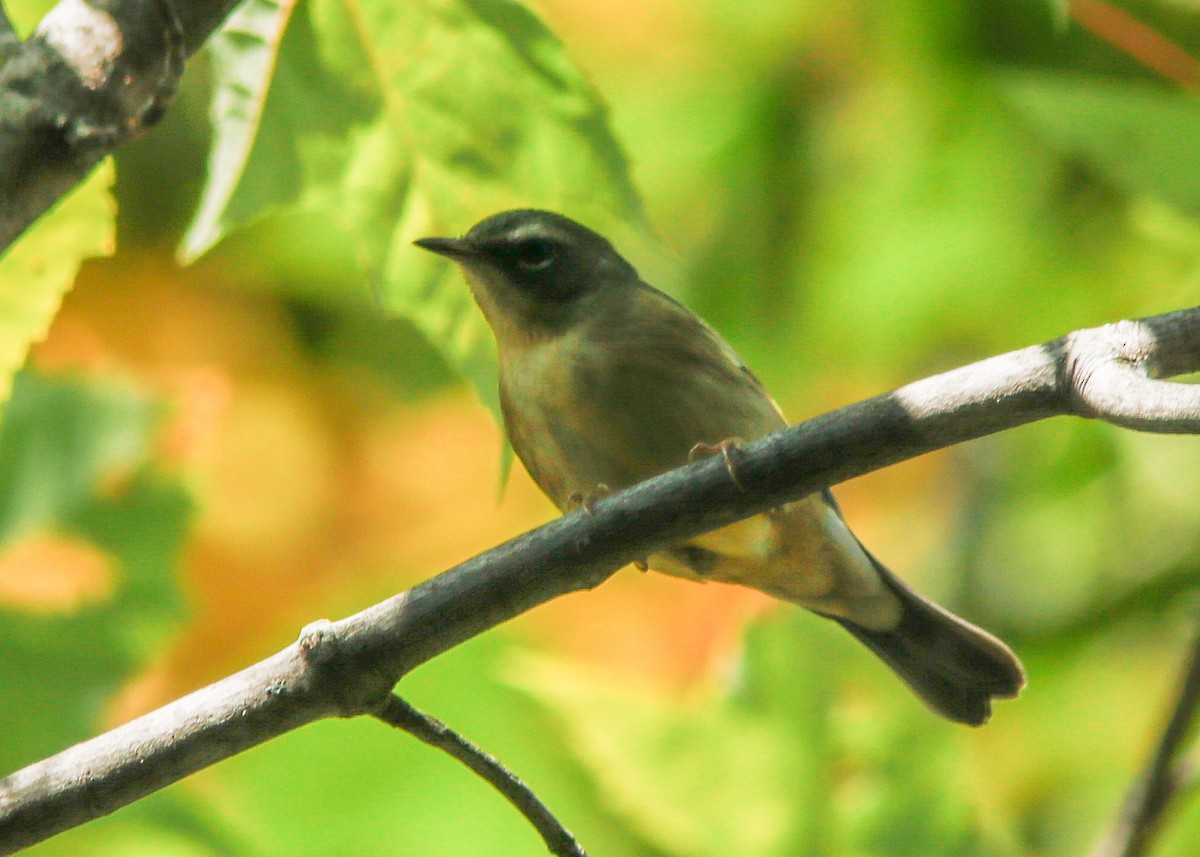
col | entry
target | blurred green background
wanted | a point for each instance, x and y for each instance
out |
(199, 459)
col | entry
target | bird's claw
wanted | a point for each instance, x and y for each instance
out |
(726, 448)
(579, 500)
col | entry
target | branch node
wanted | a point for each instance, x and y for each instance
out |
(318, 642)
(1110, 373)
(334, 675)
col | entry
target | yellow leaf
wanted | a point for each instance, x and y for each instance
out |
(40, 268)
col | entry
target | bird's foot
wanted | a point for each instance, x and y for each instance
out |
(726, 448)
(579, 500)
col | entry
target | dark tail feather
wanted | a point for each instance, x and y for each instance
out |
(954, 667)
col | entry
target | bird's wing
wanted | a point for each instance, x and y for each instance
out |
(711, 338)
(656, 380)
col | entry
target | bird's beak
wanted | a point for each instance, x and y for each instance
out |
(458, 249)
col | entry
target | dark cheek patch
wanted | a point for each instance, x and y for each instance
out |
(559, 283)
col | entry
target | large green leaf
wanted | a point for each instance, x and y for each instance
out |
(40, 268)
(244, 53)
(388, 122)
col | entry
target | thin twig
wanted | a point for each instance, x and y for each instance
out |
(399, 713)
(1163, 776)
(1142, 42)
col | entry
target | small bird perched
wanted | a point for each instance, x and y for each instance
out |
(606, 381)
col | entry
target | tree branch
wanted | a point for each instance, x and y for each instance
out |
(349, 667)
(396, 712)
(1164, 775)
(94, 75)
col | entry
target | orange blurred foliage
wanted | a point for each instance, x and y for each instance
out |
(42, 572)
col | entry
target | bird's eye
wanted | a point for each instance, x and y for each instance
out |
(534, 254)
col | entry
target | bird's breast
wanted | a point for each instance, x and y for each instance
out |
(583, 411)
(545, 416)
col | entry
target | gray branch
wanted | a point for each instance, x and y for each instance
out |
(95, 74)
(349, 667)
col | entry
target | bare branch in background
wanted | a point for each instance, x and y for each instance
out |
(1165, 775)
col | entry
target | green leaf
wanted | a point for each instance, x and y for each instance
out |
(492, 115)
(25, 14)
(73, 466)
(507, 456)
(282, 119)
(244, 53)
(1140, 138)
(40, 268)
(398, 121)
(59, 670)
(60, 440)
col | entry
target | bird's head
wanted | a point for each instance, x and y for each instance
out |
(533, 271)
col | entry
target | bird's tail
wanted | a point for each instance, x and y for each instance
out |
(953, 666)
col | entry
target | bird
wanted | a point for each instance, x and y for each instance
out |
(605, 381)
